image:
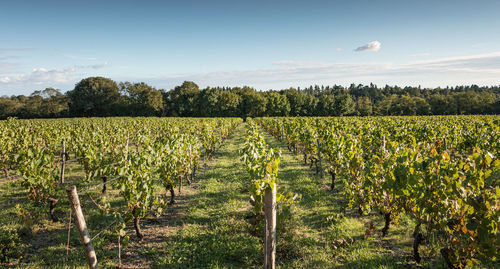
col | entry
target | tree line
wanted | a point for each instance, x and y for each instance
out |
(99, 97)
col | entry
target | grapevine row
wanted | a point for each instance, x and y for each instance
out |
(443, 172)
(138, 153)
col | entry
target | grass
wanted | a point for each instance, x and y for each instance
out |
(207, 228)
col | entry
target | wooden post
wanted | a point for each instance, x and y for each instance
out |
(282, 134)
(319, 159)
(63, 161)
(82, 227)
(270, 240)
(119, 252)
(444, 143)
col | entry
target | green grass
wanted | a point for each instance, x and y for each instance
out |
(207, 227)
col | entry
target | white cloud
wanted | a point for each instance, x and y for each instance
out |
(338, 49)
(42, 75)
(474, 69)
(489, 62)
(372, 46)
(97, 66)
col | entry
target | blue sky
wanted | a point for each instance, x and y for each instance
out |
(264, 44)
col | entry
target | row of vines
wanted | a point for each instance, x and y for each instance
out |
(130, 156)
(442, 172)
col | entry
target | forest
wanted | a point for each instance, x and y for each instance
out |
(103, 97)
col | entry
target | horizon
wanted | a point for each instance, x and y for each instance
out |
(259, 44)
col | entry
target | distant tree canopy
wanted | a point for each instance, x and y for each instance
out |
(94, 96)
(98, 96)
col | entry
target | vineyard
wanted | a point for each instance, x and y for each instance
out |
(374, 192)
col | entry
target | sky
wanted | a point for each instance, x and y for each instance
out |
(269, 44)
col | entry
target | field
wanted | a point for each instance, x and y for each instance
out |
(372, 192)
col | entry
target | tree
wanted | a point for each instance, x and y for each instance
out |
(184, 100)
(142, 99)
(228, 104)
(296, 100)
(364, 106)
(277, 105)
(402, 105)
(344, 105)
(209, 98)
(50, 103)
(309, 105)
(442, 104)
(326, 105)
(9, 107)
(252, 104)
(422, 107)
(94, 96)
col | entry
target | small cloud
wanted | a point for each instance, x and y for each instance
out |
(43, 75)
(97, 66)
(372, 46)
(339, 49)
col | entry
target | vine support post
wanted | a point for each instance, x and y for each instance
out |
(282, 134)
(270, 239)
(63, 160)
(119, 252)
(82, 227)
(319, 159)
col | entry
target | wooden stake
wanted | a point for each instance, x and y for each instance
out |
(119, 252)
(63, 161)
(270, 240)
(82, 227)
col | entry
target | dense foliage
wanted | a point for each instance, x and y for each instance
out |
(97, 96)
(443, 172)
(262, 164)
(135, 154)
